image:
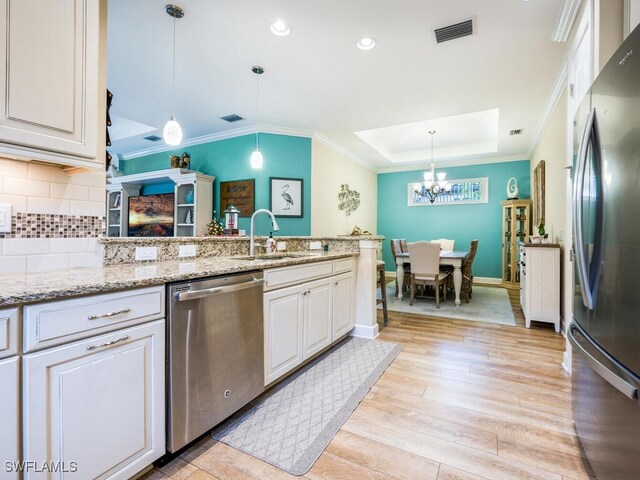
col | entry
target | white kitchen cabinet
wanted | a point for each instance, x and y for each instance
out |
(10, 411)
(317, 316)
(96, 405)
(631, 16)
(283, 331)
(302, 320)
(343, 300)
(53, 79)
(540, 283)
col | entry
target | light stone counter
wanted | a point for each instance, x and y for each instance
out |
(57, 284)
(121, 250)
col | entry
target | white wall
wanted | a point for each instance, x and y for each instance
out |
(329, 170)
(43, 189)
(553, 150)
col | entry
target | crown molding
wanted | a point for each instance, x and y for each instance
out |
(216, 137)
(458, 163)
(565, 20)
(251, 130)
(557, 90)
(320, 138)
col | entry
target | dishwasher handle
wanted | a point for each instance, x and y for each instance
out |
(207, 292)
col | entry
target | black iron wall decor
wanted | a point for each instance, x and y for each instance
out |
(108, 137)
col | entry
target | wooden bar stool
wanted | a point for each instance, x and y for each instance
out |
(383, 289)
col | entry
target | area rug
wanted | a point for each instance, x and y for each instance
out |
(489, 304)
(290, 426)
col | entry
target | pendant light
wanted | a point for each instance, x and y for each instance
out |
(257, 160)
(433, 185)
(172, 132)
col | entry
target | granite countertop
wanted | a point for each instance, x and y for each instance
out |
(245, 238)
(35, 287)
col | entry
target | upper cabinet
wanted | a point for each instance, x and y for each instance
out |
(53, 76)
(631, 16)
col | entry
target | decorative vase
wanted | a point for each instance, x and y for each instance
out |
(189, 196)
(512, 189)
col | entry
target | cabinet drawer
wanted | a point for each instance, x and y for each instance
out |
(342, 265)
(8, 332)
(54, 323)
(280, 277)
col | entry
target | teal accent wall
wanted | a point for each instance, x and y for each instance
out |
(461, 223)
(284, 156)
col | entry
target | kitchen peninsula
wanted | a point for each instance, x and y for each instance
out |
(96, 340)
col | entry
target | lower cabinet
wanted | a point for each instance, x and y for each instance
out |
(282, 331)
(95, 407)
(540, 284)
(342, 305)
(317, 316)
(10, 411)
(302, 320)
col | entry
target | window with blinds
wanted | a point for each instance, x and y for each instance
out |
(463, 191)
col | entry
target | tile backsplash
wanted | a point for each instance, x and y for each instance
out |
(56, 218)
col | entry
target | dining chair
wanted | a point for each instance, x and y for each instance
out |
(467, 273)
(382, 283)
(425, 269)
(445, 244)
(396, 248)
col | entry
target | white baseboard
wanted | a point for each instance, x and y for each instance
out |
(365, 331)
(486, 281)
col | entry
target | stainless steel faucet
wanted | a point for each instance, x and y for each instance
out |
(252, 245)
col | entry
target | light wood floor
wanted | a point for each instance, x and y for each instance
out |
(462, 401)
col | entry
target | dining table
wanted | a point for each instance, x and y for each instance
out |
(453, 258)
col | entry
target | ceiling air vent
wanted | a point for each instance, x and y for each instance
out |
(452, 32)
(153, 138)
(231, 118)
(516, 132)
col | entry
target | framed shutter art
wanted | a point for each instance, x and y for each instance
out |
(463, 191)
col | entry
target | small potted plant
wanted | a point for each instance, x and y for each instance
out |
(544, 236)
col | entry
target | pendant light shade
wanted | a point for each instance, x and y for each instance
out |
(257, 160)
(172, 132)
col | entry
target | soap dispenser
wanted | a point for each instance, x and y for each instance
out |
(271, 244)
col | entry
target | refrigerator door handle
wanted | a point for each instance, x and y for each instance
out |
(610, 376)
(590, 137)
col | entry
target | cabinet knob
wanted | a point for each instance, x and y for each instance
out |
(335, 283)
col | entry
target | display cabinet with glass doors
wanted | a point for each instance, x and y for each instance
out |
(516, 227)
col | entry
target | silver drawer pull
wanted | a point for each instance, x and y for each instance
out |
(107, 315)
(108, 344)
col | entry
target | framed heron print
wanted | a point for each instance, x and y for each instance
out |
(285, 197)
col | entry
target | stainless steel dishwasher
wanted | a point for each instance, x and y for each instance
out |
(215, 352)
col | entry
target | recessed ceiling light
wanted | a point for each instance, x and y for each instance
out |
(366, 43)
(280, 28)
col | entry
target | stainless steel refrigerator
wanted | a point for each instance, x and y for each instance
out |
(605, 332)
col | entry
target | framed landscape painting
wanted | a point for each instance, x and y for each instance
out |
(285, 197)
(151, 216)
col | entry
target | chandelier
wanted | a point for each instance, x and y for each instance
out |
(431, 188)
